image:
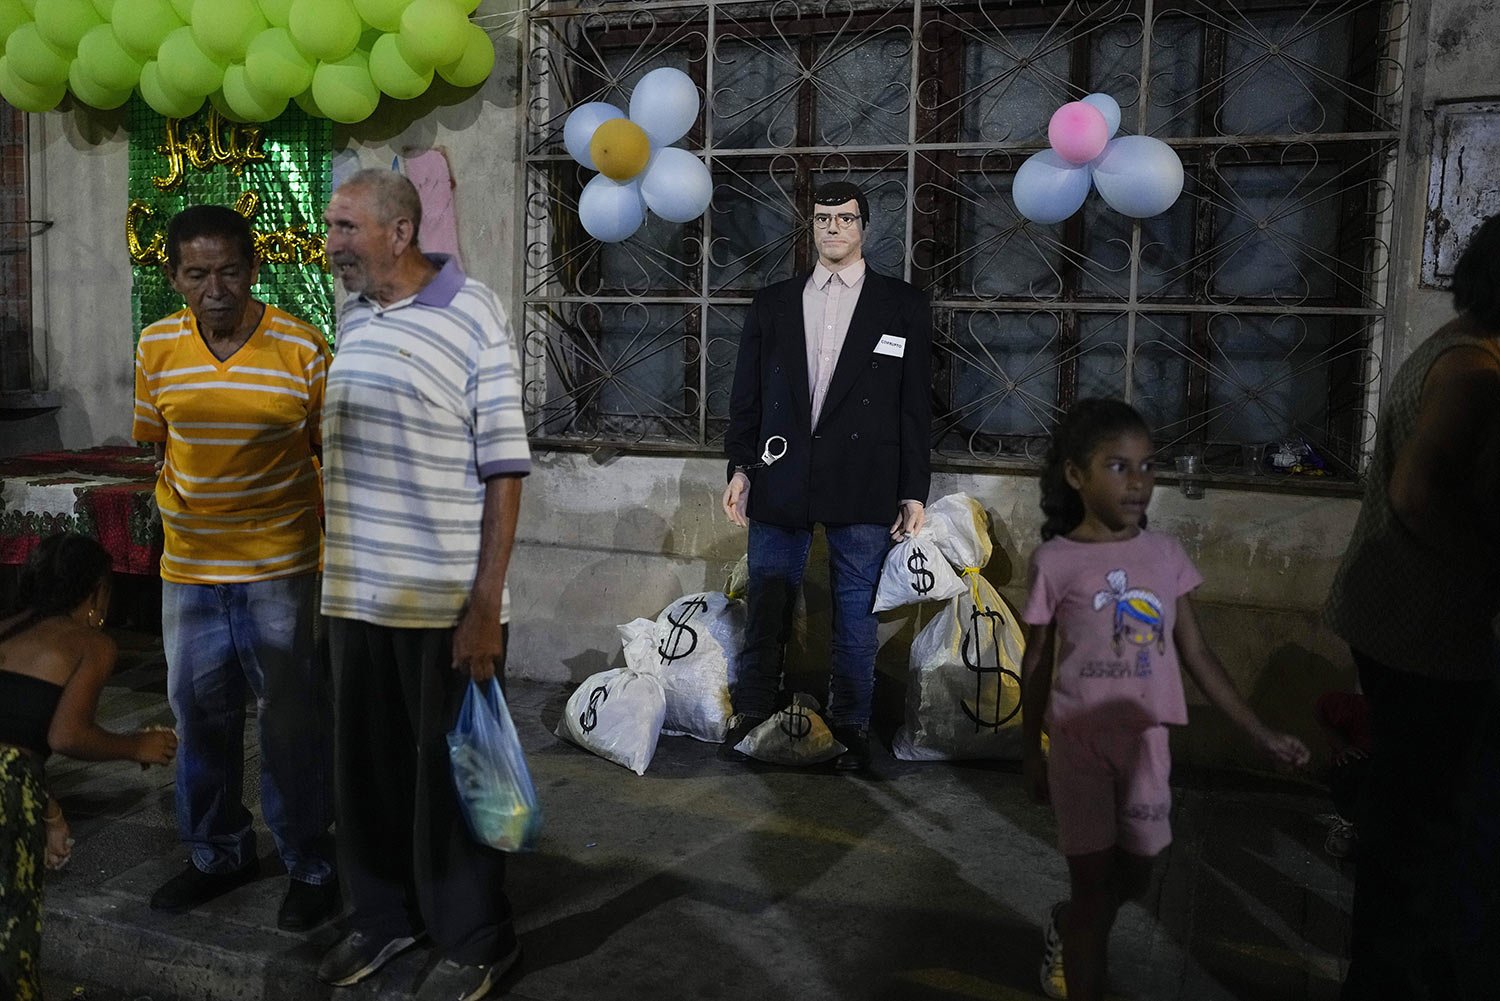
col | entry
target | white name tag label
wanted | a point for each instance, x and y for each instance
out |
(891, 345)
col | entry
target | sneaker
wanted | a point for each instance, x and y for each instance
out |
(307, 905)
(1053, 983)
(358, 955)
(740, 725)
(192, 887)
(856, 741)
(450, 981)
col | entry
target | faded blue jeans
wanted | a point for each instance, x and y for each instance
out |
(224, 642)
(778, 557)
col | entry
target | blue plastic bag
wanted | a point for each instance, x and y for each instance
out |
(489, 771)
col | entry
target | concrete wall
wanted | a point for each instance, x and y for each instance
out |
(1446, 61)
(603, 543)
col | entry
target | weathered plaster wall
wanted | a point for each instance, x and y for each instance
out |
(1450, 58)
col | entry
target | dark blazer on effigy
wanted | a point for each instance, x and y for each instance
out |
(870, 448)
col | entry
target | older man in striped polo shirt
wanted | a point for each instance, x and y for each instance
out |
(425, 451)
(229, 391)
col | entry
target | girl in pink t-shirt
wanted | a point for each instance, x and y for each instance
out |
(1110, 599)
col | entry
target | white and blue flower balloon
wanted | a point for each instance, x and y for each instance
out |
(639, 168)
(1137, 176)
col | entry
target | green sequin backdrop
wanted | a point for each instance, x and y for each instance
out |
(293, 186)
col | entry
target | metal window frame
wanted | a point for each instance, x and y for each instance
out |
(1357, 377)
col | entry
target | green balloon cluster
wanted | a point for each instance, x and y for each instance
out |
(248, 58)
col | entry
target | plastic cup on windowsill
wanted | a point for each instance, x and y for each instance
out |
(1190, 476)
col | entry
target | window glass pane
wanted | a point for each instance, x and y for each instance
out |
(756, 92)
(1268, 377)
(1178, 104)
(1165, 260)
(657, 260)
(995, 257)
(1003, 370)
(1012, 83)
(724, 326)
(1160, 373)
(862, 88)
(755, 227)
(1285, 72)
(885, 235)
(1278, 232)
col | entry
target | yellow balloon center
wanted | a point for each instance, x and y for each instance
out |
(620, 149)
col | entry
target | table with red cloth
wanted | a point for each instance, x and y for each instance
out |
(107, 493)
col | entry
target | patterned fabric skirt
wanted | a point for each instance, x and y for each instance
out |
(23, 800)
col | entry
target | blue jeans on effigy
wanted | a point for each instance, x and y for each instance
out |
(223, 641)
(778, 557)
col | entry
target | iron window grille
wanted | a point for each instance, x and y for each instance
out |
(1252, 312)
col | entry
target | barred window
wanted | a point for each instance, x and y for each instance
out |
(1251, 312)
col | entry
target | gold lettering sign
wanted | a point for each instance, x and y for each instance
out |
(219, 142)
(288, 245)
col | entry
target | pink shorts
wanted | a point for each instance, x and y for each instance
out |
(1110, 789)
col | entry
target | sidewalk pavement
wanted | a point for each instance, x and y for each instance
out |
(708, 880)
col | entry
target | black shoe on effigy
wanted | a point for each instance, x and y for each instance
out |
(450, 981)
(856, 741)
(740, 726)
(357, 955)
(307, 905)
(192, 887)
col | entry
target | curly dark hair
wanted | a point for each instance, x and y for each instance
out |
(61, 572)
(1476, 280)
(1091, 422)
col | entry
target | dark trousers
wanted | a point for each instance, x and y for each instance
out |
(1413, 823)
(405, 853)
(778, 558)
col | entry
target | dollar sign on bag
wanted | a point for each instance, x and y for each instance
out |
(982, 671)
(795, 722)
(668, 649)
(590, 717)
(922, 579)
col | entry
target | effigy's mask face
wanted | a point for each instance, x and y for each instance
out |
(838, 232)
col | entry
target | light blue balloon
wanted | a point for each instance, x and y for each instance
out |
(578, 130)
(665, 104)
(1048, 189)
(611, 211)
(1109, 108)
(676, 185)
(1138, 176)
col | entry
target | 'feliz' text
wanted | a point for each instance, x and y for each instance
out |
(219, 142)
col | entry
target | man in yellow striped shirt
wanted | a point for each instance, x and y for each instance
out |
(230, 392)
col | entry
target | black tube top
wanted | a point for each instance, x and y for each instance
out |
(26, 708)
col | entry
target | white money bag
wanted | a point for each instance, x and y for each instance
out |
(617, 715)
(915, 570)
(796, 735)
(960, 527)
(697, 656)
(963, 691)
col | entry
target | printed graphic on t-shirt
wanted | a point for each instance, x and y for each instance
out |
(1152, 812)
(1138, 619)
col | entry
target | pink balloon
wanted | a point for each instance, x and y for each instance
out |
(1078, 132)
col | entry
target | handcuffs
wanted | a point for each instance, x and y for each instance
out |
(767, 455)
